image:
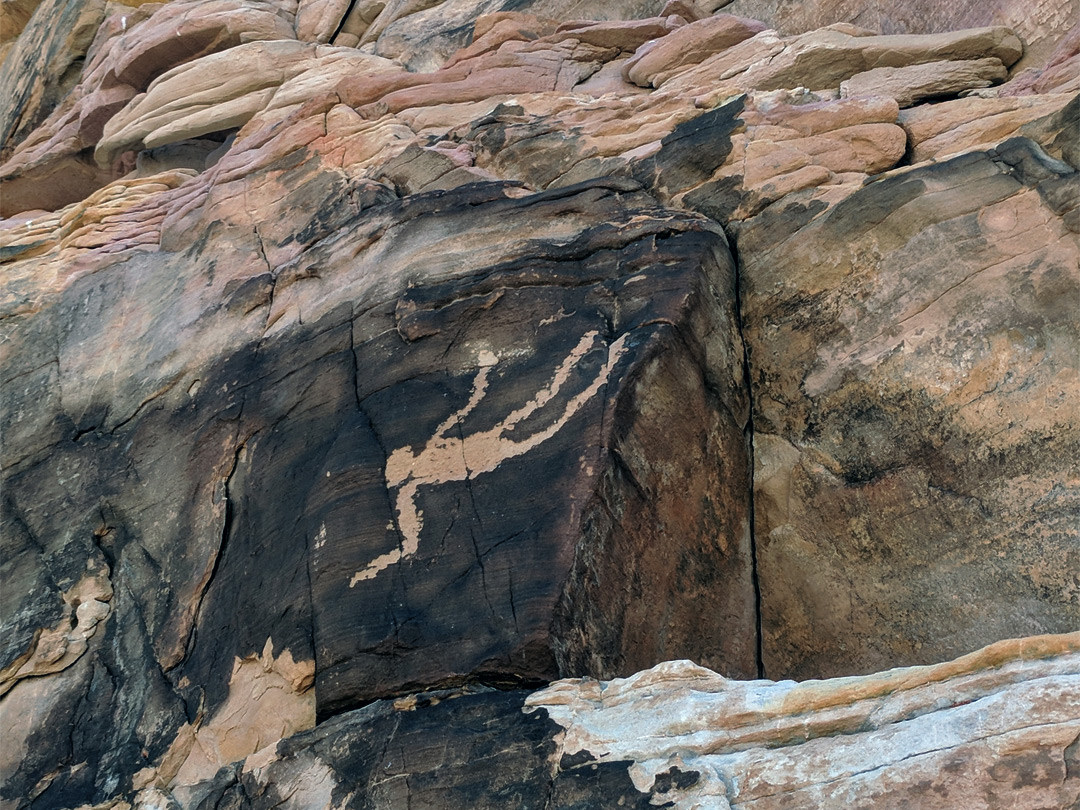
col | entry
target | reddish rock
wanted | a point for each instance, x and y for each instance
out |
(339, 383)
(656, 61)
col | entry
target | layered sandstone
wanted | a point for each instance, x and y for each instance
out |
(368, 366)
(993, 730)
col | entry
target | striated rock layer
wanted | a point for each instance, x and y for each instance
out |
(997, 729)
(367, 366)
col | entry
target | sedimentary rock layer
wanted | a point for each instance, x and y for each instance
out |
(362, 352)
(997, 729)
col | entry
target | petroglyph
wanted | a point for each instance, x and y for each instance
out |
(445, 458)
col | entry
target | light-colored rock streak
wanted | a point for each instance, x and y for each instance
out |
(447, 457)
(87, 604)
(843, 742)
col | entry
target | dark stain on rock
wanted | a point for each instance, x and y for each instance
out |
(691, 152)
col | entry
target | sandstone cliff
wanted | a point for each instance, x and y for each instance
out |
(370, 367)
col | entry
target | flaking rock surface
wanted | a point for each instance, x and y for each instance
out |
(369, 365)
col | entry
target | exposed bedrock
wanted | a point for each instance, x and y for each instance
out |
(366, 367)
(410, 458)
(912, 356)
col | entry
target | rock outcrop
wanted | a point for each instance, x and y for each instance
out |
(996, 729)
(909, 357)
(368, 367)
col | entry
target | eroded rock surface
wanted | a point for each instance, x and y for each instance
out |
(912, 371)
(355, 351)
(994, 730)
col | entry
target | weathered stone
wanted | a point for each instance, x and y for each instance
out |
(338, 381)
(930, 80)
(1061, 74)
(429, 33)
(180, 32)
(910, 360)
(319, 20)
(656, 61)
(218, 92)
(14, 15)
(996, 729)
(223, 91)
(492, 30)
(626, 36)
(788, 143)
(440, 740)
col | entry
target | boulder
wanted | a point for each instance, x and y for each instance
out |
(931, 80)
(319, 20)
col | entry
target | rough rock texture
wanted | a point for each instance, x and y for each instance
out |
(386, 550)
(1040, 23)
(355, 385)
(912, 355)
(997, 729)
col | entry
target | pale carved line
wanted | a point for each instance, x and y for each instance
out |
(445, 457)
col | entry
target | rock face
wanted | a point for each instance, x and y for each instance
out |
(369, 366)
(996, 729)
(911, 370)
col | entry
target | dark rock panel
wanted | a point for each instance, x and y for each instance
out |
(436, 750)
(408, 457)
(496, 421)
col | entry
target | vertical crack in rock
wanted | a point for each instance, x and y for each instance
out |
(226, 530)
(748, 432)
(341, 23)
